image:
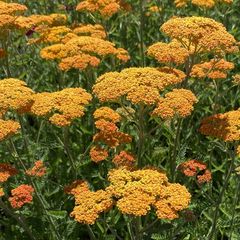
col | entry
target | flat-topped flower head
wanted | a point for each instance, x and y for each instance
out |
(178, 102)
(21, 195)
(40, 22)
(15, 95)
(124, 159)
(214, 69)
(137, 191)
(98, 154)
(91, 30)
(11, 8)
(105, 8)
(84, 49)
(8, 128)
(6, 171)
(89, 205)
(201, 3)
(38, 170)
(138, 85)
(200, 33)
(196, 168)
(168, 53)
(225, 126)
(61, 107)
(76, 187)
(107, 114)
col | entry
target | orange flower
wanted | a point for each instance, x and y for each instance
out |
(172, 52)
(96, 31)
(223, 126)
(195, 168)
(15, 95)
(106, 8)
(107, 114)
(87, 50)
(8, 128)
(38, 170)
(98, 154)
(1, 192)
(178, 102)
(77, 187)
(138, 85)
(89, 205)
(2, 53)
(200, 34)
(6, 171)
(214, 69)
(11, 8)
(124, 159)
(68, 103)
(21, 195)
(136, 191)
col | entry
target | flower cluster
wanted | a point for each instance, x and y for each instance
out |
(21, 195)
(201, 3)
(38, 22)
(8, 128)
(168, 53)
(6, 171)
(105, 8)
(178, 102)
(108, 134)
(81, 52)
(61, 107)
(15, 95)
(63, 34)
(195, 168)
(138, 85)
(200, 34)
(8, 14)
(236, 79)
(214, 69)
(136, 191)
(89, 204)
(124, 159)
(38, 170)
(224, 126)
(1, 192)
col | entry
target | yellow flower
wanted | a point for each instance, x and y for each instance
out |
(89, 205)
(68, 104)
(224, 126)
(200, 33)
(214, 69)
(11, 8)
(178, 102)
(15, 95)
(107, 114)
(138, 85)
(172, 52)
(8, 128)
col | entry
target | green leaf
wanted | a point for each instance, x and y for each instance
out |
(59, 214)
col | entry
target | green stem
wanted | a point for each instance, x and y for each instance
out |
(139, 232)
(141, 6)
(68, 151)
(91, 233)
(140, 136)
(236, 200)
(220, 198)
(173, 160)
(18, 218)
